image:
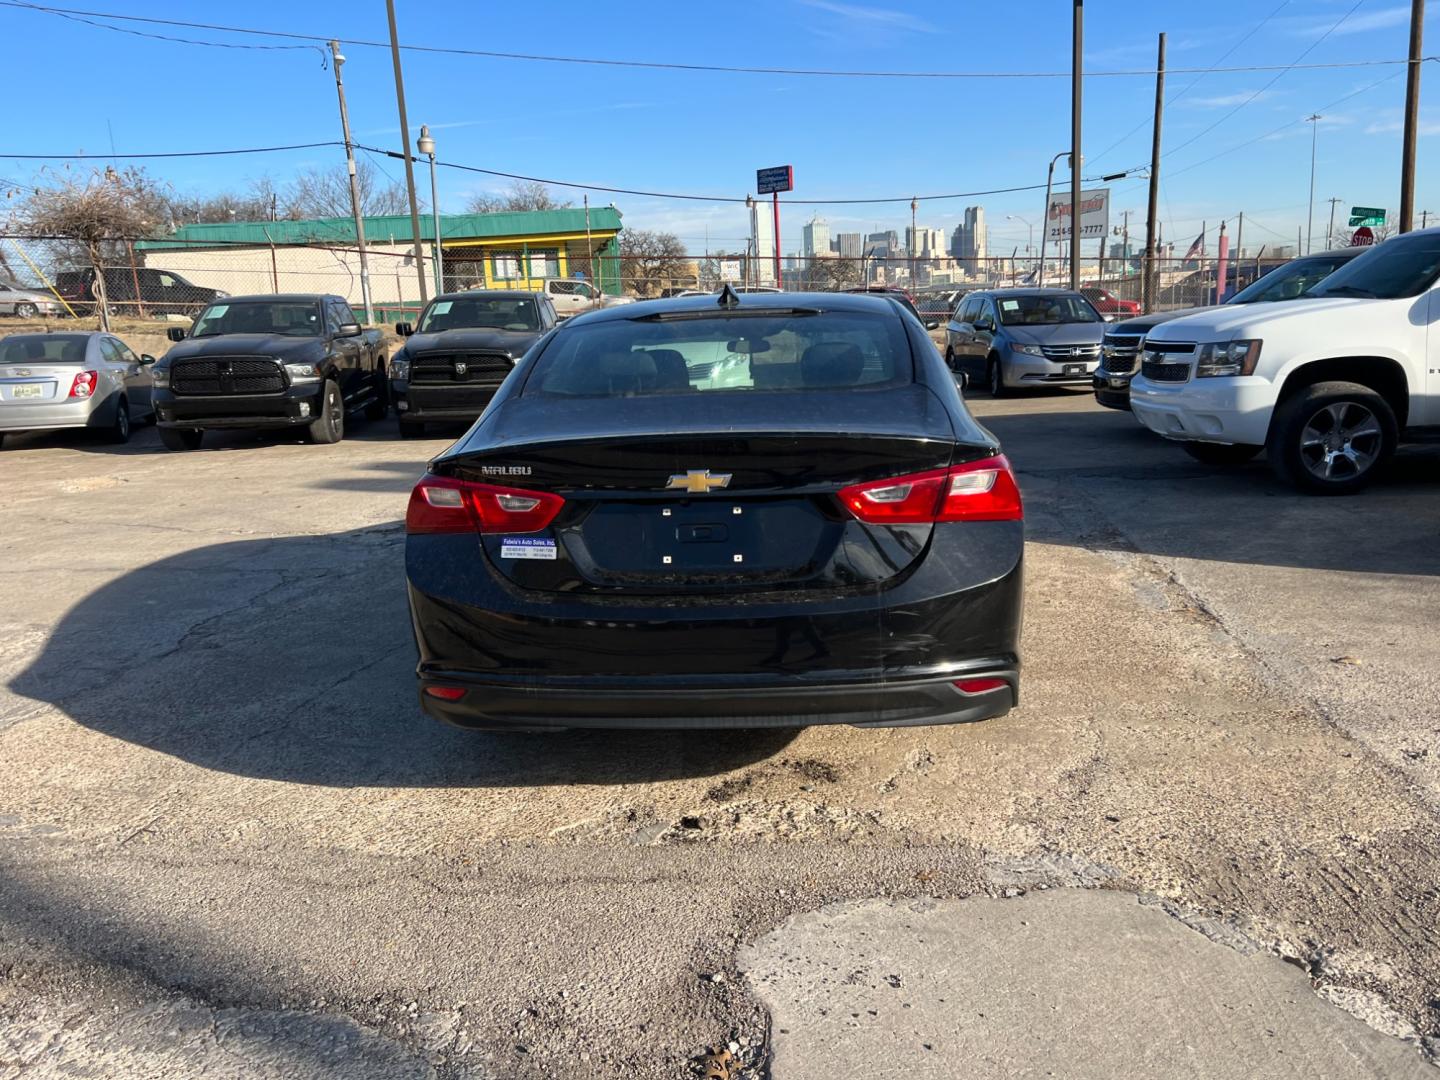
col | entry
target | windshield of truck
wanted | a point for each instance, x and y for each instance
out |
(1290, 280)
(1042, 310)
(1402, 266)
(481, 312)
(829, 350)
(287, 318)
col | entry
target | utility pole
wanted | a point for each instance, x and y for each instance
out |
(1424, 218)
(1152, 212)
(1412, 117)
(337, 61)
(913, 204)
(409, 160)
(1076, 62)
(590, 249)
(1330, 231)
(1239, 249)
(1314, 121)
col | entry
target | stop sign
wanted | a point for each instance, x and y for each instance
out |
(1362, 237)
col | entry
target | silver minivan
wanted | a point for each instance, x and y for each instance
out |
(1020, 339)
(84, 380)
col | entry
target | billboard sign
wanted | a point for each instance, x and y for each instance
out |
(1094, 215)
(770, 181)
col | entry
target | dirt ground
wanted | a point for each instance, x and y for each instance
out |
(226, 833)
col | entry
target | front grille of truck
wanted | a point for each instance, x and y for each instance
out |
(1158, 363)
(1119, 353)
(226, 375)
(459, 369)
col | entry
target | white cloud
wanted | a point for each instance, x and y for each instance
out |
(1226, 101)
(874, 16)
(1384, 19)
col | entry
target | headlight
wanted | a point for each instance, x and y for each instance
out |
(1220, 358)
(302, 372)
(400, 369)
(1028, 350)
(160, 375)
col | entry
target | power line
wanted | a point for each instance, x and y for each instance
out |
(1196, 81)
(671, 66)
(169, 154)
(1308, 50)
(80, 18)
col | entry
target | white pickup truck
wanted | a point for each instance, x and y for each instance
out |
(571, 296)
(1327, 385)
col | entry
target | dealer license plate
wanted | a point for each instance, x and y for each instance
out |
(27, 390)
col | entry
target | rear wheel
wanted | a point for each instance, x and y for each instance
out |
(1331, 438)
(412, 429)
(26, 311)
(995, 378)
(1220, 454)
(119, 430)
(949, 358)
(329, 426)
(181, 438)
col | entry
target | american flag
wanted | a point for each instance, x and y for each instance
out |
(1197, 249)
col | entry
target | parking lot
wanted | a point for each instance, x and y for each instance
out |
(232, 841)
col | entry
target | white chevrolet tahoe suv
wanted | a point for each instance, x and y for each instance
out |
(1326, 385)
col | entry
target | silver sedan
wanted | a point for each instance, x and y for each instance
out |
(88, 380)
(26, 303)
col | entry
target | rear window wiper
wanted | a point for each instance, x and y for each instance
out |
(756, 313)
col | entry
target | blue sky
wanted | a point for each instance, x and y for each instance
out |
(707, 132)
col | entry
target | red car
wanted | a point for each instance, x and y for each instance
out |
(1107, 303)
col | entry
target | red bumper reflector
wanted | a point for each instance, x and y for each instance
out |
(979, 686)
(445, 693)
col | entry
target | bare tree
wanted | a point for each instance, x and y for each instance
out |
(320, 193)
(648, 258)
(523, 195)
(831, 273)
(100, 214)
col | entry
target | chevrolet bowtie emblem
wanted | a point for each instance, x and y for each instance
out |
(698, 481)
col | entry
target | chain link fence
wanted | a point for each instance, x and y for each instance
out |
(162, 280)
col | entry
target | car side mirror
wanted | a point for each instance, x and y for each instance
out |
(404, 329)
(146, 359)
(984, 326)
(349, 329)
(175, 333)
(931, 324)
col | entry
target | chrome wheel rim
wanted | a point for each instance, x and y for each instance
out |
(1341, 441)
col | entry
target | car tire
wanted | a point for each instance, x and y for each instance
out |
(1331, 438)
(949, 358)
(119, 430)
(994, 378)
(1221, 455)
(181, 438)
(329, 426)
(412, 429)
(26, 311)
(379, 408)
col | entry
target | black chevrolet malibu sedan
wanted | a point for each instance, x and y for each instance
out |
(720, 511)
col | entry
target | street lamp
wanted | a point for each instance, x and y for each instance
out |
(426, 145)
(1049, 182)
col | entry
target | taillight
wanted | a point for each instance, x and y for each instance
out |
(84, 384)
(441, 504)
(982, 490)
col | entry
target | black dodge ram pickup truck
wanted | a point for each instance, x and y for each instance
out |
(449, 369)
(289, 361)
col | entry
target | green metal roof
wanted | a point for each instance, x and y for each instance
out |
(384, 228)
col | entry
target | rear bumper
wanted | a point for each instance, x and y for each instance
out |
(291, 407)
(49, 416)
(559, 659)
(736, 703)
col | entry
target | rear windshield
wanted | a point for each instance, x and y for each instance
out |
(824, 351)
(1045, 310)
(259, 317)
(489, 312)
(40, 348)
